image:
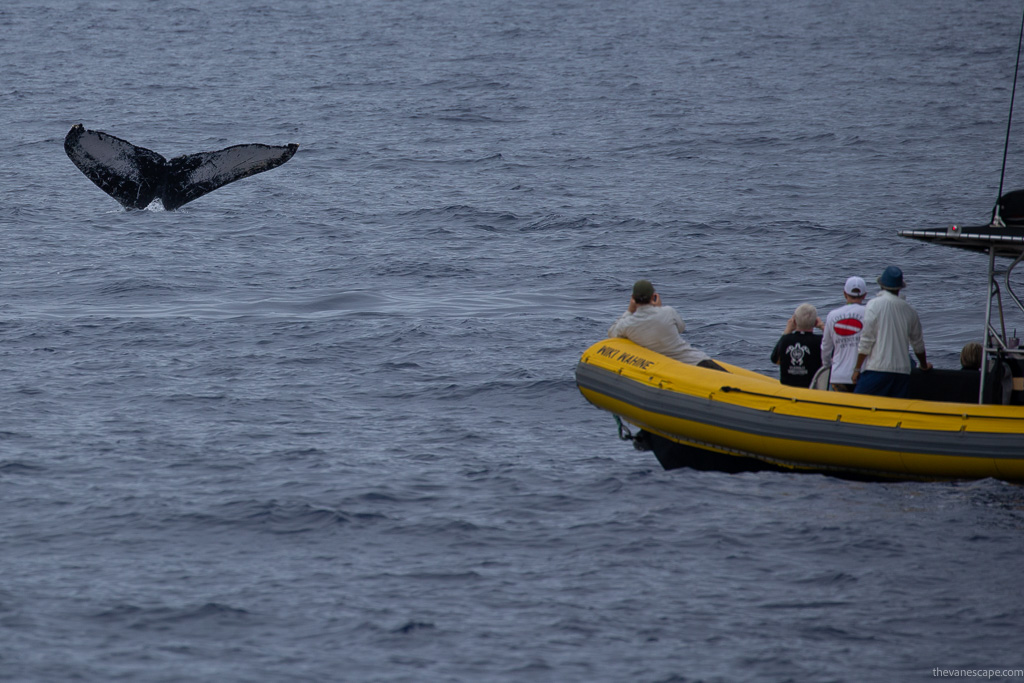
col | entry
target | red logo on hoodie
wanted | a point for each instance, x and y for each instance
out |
(847, 327)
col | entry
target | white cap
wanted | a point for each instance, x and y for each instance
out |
(855, 286)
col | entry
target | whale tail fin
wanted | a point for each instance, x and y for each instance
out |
(135, 176)
(193, 175)
(131, 175)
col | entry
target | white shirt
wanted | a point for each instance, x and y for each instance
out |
(657, 328)
(890, 324)
(839, 343)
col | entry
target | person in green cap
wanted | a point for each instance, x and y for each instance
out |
(655, 326)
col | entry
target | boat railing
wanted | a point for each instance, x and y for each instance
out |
(998, 343)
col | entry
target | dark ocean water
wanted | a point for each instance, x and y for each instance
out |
(321, 425)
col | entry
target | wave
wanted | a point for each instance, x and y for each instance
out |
(272, 516)
(142, 618)
(17, 466)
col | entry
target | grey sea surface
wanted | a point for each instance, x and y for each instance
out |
(321, 424)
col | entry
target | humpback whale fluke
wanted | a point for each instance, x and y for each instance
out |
(135, 176)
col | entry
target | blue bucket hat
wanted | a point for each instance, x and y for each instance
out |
(892, 278)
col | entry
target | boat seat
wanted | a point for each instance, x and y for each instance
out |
(961, 386)
(821, 378)
(957, 386)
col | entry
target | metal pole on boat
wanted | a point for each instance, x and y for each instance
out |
(987, 338)
(997, 219)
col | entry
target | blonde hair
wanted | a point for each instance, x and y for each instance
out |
(805, 316)
(970, 356)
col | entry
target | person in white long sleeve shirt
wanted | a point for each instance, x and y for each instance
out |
(842, 335)
(890, 325)
(655, 326)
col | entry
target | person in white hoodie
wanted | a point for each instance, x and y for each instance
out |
(890, 324)
(842, 335)
(651, 324)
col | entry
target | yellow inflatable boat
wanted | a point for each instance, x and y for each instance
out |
(955, 425)
(742, 420)
(970, 427)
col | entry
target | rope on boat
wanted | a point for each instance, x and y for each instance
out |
(624, 432)
(873, 409)
(640, 443)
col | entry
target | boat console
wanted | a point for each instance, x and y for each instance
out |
(1004, 239)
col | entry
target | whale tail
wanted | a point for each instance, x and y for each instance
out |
(135, 176)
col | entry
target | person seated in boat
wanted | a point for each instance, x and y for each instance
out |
(842, 335)
(1000, 380)
(655, 326)
(890, 326)
(970, 356)
(798, 351)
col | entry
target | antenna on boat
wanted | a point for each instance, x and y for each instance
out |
(997, 220)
